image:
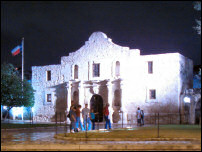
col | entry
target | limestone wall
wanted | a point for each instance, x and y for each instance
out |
(43, 110)
(98, 49)
(126, 91)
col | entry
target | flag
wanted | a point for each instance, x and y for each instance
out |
(16, 50)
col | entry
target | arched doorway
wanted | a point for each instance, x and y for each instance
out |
(96, 103)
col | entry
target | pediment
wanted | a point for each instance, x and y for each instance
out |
(97, 46)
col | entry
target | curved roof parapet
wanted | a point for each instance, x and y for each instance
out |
(97, 35)
(135, 51)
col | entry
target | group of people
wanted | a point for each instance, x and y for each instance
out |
(88, 118)
(140, 117)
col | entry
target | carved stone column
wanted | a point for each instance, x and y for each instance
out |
(192, 112)
(81, 94)
(123, 104)
(111, 110)
(182, 112)
(68, 98)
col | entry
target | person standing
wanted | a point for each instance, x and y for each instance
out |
(73, 119)
(68, 115)
(92, 118)
(142, 117)
(86, 118)
(78, 119)
(138, 116)
(106, 116)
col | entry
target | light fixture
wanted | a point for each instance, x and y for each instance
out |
(32, 109)
(187, 99)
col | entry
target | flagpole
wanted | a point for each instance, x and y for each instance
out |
(22, 59)
(22, 66)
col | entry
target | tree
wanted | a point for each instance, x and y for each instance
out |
(197, 6)
(12, 94)
(197, 79)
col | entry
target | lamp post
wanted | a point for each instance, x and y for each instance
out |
(188, 99)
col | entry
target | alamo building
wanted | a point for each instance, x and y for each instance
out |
(102, 72)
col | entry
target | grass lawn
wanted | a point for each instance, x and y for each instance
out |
(15, 126)
(166, 131)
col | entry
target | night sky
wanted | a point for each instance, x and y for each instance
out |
(54, 29)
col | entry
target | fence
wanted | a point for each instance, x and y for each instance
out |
(164, 118)
(131, 119)
(60, 117)
(150, 119)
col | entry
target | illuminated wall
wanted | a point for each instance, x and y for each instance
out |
(124, 81)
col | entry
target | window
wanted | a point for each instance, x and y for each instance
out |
(117, 70)
(48, 75)
(96, 70)
(150, 67)
(48, 97)
(152, 94)
(76, 72)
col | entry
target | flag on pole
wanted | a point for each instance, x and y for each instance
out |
(16, 50)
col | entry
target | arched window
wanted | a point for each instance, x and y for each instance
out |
(76, 69)
(117, 70)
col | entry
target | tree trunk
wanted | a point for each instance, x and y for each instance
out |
(8, 112)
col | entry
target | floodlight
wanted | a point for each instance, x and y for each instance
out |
(187, 99)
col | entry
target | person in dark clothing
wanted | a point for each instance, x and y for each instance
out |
(73, 119)
(142, 117)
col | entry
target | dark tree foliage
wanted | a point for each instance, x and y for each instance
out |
(197, 6)
(12, 92)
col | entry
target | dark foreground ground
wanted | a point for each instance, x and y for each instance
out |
(42, 138)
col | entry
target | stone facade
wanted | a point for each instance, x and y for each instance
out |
(118, 75)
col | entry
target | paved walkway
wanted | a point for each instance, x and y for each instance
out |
(120, 146)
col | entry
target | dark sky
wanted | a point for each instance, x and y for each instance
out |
(53, 29)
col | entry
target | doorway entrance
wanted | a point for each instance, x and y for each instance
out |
(96, 103)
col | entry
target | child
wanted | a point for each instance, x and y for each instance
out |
(92, 118)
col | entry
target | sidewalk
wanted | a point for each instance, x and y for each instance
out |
(26, 122)
(97, 146)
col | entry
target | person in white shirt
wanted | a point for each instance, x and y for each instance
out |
(86, 118)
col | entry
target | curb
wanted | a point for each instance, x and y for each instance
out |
(124, 139)
(13, 129)
(75, 147)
